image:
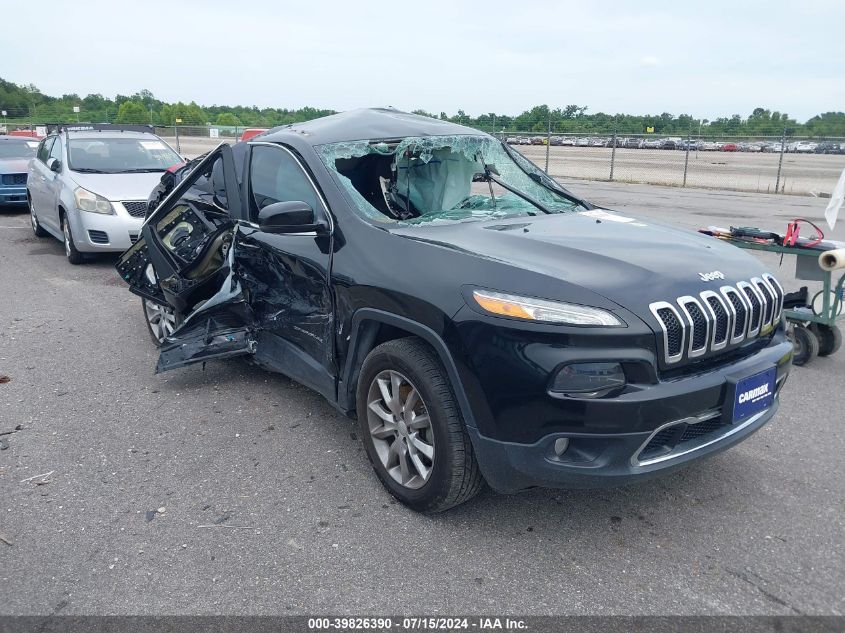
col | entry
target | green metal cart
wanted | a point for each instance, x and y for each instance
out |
(813, 325)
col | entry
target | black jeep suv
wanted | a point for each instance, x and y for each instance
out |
(483, 323)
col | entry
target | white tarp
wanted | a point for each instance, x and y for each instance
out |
(836, 200)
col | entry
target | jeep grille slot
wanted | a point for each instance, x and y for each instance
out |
(763, 287)
(754, 302)
(720, 334)
(715, 320)
(778, 292)
(699, 324)
(673, 330)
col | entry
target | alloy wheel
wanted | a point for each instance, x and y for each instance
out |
(401, 429)
(162, 320)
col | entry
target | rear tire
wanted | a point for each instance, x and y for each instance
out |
(73, 255)
(805, 345)
(33, 219)
(406, 406)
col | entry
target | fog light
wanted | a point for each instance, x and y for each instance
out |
(561, 444)
(589, 380)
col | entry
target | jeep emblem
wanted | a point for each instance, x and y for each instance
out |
(711, 276)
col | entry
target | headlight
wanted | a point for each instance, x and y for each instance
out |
(91, 202)
(589, 380)
(545, 311)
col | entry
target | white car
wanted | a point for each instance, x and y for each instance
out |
(89, 188)
(805, 147)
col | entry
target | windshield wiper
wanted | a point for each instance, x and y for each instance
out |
(90, 170)
(141, 170)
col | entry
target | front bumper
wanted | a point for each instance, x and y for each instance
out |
(613, 441)
(13, 195)
(97, 233)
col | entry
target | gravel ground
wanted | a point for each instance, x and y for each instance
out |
(232, 490)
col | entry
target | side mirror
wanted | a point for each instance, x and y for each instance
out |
(289, 217)
(54, 164)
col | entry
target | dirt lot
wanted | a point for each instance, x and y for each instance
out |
(232, 490)
(740, 171)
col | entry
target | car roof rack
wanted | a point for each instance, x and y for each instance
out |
(53, 128)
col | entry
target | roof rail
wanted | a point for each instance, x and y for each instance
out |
(52, 128)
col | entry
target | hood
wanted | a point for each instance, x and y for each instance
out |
(13, 165)
(628, 261)
(118, 187)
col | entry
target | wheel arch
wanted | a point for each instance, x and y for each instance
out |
(369, 328)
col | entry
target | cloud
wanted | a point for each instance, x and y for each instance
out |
(649, 60)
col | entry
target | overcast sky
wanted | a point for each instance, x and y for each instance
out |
(706, 59)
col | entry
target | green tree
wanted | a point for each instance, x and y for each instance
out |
(132, 112)
(227, 118)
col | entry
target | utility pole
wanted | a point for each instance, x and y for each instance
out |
(613, 151)
(176, 127)
(548, 141)
(686, 157)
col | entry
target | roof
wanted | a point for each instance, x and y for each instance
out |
(365, 124)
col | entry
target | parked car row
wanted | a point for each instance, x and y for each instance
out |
(634, 142)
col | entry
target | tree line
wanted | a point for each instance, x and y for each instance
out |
(27, 104)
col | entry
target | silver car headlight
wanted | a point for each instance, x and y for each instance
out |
(531, 309)
(91, 202)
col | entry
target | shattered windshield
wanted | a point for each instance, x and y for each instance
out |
(436, 179)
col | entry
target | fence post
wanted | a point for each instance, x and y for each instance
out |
(780, 160)
(548, 141)
(178, 148)
(613, 151)
(686, 158)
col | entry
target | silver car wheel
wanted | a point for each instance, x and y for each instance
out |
(33, 219)
(162, 320)
(401, 429)
(66, 232)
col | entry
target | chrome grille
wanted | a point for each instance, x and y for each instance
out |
(135, 208)
(712, 321)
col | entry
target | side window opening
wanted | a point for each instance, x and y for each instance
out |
(275, 176)
(56, 150)
(44, 148)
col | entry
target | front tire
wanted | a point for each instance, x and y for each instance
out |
(33, 219)
(161, 321)
(73, 255)
(412, 428)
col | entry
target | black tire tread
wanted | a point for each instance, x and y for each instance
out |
(467, 480)
(809, 343)
(75, 256)
(830, 339)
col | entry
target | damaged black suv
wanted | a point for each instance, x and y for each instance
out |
(483, 323)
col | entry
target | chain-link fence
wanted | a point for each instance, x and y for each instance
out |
(784, 164)
(791, 165)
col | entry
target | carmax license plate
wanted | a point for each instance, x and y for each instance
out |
(754, 394)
